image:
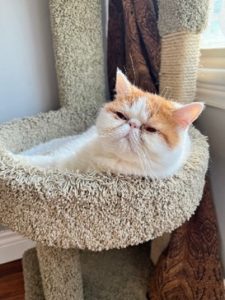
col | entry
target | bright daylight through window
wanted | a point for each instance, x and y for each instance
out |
(214, 36)
(211, 75)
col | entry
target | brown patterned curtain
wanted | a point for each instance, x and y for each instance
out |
(190, 268)
(134, 43)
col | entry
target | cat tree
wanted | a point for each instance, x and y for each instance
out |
(67, 212)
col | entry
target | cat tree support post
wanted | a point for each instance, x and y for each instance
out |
(180, 25)
(61, 273)
(74, 56)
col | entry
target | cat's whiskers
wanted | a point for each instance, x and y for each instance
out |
(108, 133)
(165, 91)
(146, 163)
(141, 154)
(158, 108)
(111, 130)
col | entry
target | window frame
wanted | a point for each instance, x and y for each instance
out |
(211, 78)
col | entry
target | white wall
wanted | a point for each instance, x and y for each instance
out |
(212, 123)
(27, 74)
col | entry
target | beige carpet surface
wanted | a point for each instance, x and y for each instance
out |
(109, 275)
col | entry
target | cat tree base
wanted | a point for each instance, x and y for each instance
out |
(114, 274)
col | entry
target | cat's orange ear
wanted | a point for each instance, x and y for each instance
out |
(188, 113)
(123, 85)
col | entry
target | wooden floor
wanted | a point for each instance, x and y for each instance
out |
(11, 281)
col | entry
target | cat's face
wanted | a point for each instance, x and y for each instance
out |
(144, 128)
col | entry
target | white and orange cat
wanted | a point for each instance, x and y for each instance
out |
(139, 133)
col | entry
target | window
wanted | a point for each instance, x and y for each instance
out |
(214, 35)
(211, 76)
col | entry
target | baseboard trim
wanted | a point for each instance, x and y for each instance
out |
(12, 246)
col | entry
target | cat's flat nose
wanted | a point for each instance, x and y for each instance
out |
(134, 123)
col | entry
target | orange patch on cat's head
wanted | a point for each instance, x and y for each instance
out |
(162, 119)
(129, 98)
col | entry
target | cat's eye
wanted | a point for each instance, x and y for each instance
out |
(150, 129)
(121, 116)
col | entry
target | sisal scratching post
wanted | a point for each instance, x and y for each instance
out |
(180, 25)
(179, 66)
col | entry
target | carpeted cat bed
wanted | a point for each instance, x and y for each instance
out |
(62, 211)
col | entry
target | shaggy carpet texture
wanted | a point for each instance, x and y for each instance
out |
(115, 274)
(78, 43)
(32, 276)
(182, 15)
(60, 273)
